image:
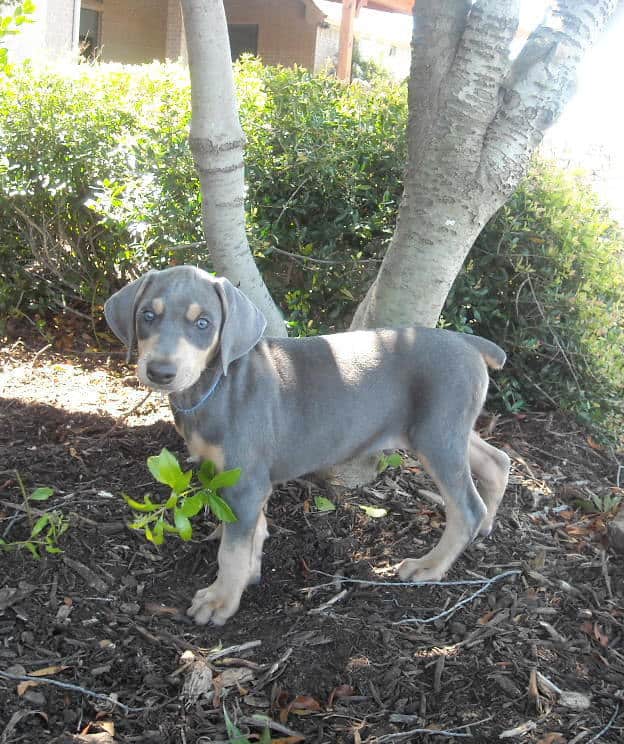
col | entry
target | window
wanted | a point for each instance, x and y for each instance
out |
(243, 39)
(89, 33)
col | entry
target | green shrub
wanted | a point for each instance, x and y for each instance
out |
(97, 184)
(73, 175)
(97, 181)
(545, 279)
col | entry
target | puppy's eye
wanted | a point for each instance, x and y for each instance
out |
(202, 323)
(148, 316)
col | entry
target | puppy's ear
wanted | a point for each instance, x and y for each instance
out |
(120, 309)
(243, 324)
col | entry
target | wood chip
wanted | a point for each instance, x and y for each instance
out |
(94, 581)
(520, 730)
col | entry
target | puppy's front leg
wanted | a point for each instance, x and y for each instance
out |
(239, 559)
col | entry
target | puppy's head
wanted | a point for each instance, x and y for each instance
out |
(183, 320)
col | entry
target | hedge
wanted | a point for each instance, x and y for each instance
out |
(97, 184)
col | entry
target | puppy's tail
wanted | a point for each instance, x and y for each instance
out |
(494, 356)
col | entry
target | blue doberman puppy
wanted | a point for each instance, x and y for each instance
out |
(280, 408)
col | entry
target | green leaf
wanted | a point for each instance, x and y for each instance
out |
(40, 524)
(225, 479)
(185, 529)
(53, 549)
(166, 469)
(207, 472)
(235, 735)
(41, 494)
(395, 460)
(266, 736)
(323, 504)
(33, 550)
(139, 524)
(147, 506)
(158, 534)
(192, 505)
(375, 512)
(220, 508)
(171, 501)
(204, 495)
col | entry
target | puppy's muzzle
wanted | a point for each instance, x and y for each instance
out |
(161, 372)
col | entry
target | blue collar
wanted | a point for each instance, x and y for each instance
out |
(201, 401)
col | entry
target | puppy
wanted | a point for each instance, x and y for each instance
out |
(279, 408)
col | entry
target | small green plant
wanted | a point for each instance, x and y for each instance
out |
(44, 531)
(236, 736)
(374, 512)
(604, 504)
(389, 461)
(323, 504)
(185, 501)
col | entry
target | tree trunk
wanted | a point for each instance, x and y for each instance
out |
(217, 143)
(475, 119)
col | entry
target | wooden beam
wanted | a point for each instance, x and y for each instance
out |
(345, 50)
(392, 6)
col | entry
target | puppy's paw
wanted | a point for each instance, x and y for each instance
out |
(216, 603)
(421, 569)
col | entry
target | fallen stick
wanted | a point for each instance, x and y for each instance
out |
(484, 585)
(74, 688)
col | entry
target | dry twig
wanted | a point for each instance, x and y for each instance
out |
(74, 688)
(607, 727)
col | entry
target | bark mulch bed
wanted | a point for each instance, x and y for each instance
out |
(538, 656)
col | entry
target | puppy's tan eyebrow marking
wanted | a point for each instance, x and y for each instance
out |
(193, 311)
(158, 305)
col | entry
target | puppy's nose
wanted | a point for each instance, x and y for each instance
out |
(162, 373)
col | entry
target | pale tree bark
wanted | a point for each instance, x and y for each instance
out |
(217, 143)
(475, 119)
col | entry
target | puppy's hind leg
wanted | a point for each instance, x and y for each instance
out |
(490, 466)
(447, 463)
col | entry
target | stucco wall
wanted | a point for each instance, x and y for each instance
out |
(49, 35)
(134, 32)
(60, 20)
(328, 41)
(285, 35)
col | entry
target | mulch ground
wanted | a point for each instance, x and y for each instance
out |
(536, 657)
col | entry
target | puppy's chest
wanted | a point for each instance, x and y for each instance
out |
(204, 449)
(201, 444)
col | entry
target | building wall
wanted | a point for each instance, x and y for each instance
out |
(327, 44)
(144, 30)
(61, 26)
(50, 35)
(133, 32)
(286, 35)
(175, 47)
